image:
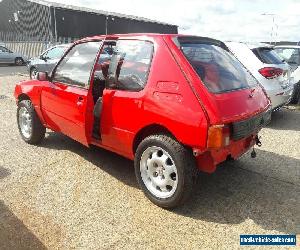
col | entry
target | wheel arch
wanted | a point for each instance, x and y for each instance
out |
(23, 97)
(150, 130)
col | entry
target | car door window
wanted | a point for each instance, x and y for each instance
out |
(129, 65)
(55, 53)
(4, 50)
(75, 68)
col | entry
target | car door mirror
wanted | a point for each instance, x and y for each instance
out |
(42, 76)
(44, 58)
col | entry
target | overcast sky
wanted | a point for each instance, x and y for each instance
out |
(236, 20)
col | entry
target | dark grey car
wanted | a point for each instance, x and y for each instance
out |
(47, 60)
(9, 57)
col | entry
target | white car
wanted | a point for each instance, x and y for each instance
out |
(291, 54)
(268, 68)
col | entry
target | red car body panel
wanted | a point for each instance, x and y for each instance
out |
(174, 98)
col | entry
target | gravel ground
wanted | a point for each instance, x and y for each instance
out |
(62, 195)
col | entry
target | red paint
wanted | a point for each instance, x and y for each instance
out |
(174, 98)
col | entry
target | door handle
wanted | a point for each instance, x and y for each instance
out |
(80, 101)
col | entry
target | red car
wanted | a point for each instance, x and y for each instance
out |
(174, 104)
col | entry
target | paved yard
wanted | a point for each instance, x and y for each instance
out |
(62, 195)
(12, 70)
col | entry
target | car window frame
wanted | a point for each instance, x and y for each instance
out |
(53, 48)
(87, 86)
(149, 68)
(45, 53)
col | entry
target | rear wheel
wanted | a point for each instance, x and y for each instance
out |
(165, 170)
(19, 61)
(29, 124)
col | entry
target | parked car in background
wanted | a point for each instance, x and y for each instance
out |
(268, 68)
(175, 104)
(291, 54)
(47, 60)
(9, 57)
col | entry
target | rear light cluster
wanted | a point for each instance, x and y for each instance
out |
(270, 72)
(218, 136)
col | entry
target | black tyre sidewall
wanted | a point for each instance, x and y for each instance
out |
(183, 174)
(31, 70)
(296, 95)
(19, 58)
(38, 130)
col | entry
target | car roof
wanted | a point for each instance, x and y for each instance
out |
(135, 35)
(251, 45)
(62, 45)
(288, 46)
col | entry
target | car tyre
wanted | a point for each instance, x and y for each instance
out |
(296, 94)
(165, 170)
(19, 61)
(30, 127)
(33, 73)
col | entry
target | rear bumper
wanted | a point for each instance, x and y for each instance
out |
(243, 137)
(208, 161)
(282, 97)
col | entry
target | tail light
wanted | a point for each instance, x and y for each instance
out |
(218, 136)
(270, 72)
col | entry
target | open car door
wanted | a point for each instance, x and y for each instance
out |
(65, 98)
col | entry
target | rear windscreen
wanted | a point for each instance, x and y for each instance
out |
(267, 55)
(218, 69)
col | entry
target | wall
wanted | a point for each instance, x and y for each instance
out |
(21, 19)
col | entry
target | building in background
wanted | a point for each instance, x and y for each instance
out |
(33, 20)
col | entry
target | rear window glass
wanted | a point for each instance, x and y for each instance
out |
(267, 55)
(218, 69)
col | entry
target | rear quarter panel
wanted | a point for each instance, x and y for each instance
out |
(171, 102)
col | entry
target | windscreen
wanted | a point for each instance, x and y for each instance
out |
(218, 69)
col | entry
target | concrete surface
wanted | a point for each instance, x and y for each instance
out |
(6, 70)
(62, 195)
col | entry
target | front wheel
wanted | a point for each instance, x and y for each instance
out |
(165, 170)
(29, 124)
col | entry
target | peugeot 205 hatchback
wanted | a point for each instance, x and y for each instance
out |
(174, 104)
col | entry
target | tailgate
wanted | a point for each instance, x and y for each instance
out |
(241, 104)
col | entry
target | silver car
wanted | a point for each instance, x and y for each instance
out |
(47, 60)
(291, 54)
(9, 57)
(268, 68)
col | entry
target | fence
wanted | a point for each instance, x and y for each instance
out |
(30, 46)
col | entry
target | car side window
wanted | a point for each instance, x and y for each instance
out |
(130, 64)
(4, 50)
(55, 53)
(75, 68)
